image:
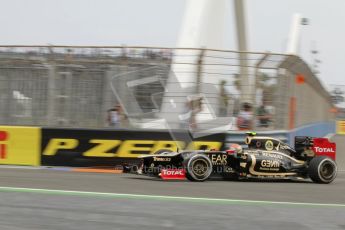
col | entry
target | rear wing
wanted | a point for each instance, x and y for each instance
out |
(320, 146)
(323, 147)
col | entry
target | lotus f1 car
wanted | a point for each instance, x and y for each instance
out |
(264, 158)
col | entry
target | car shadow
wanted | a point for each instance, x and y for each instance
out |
(143, 178)
(216, 179)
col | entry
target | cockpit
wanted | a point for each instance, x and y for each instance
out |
(267, 143)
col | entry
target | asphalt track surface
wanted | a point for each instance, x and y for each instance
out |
(52, 199)
(110, 205)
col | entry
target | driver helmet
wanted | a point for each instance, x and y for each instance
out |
(236, 147)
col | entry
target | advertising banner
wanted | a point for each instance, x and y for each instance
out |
(341, 127)
(20, 145)
(79, 147)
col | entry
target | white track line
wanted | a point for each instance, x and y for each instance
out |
(158, 197)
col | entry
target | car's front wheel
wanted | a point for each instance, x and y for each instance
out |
(198, 167)
(322, 170)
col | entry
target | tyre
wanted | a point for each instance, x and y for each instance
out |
(322, 170)
(198, 167)
(163, 151)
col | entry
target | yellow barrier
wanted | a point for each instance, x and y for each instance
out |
(341, 127)
(20, 145)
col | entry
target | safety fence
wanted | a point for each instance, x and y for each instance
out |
(338, 98)
(78, 86)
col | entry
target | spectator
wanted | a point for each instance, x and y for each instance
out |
(196, 108)
(116, 117)
(245, 117)
(188, 117)
(223, 97)
(124, 123)
(264, 117)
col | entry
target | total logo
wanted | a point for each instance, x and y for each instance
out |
(173, 174)
(3, 148)
(324, 150)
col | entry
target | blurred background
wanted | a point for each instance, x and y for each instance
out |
(71, 86)
(295, 79)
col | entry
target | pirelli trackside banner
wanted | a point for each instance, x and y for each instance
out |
(80, 147)
(20, 145)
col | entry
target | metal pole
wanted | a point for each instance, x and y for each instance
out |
(246, 90)
(199, 71)
(51, 94)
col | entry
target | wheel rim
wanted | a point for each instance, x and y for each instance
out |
(327, 170)
(200, 167)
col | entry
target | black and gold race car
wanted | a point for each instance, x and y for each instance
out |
(263, 158)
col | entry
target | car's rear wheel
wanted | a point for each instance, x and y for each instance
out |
(198, 167)
(322, 170)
